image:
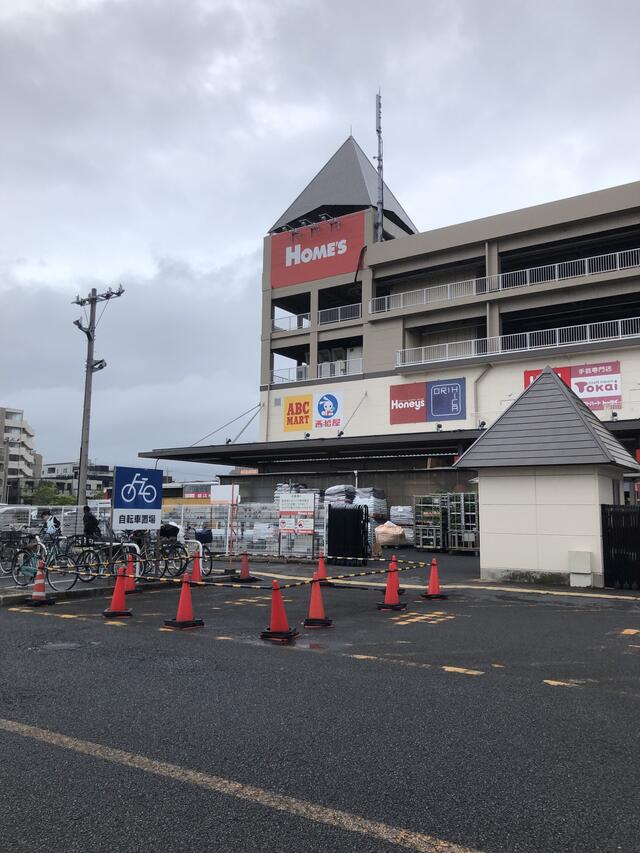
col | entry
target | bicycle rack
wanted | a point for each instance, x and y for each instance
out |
(137, 547)
(197, 544)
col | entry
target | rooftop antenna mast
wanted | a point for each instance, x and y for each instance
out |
(380, 205)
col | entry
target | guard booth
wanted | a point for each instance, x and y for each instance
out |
(347, 534)
(550, 489)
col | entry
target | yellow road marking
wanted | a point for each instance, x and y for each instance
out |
(219, 785)
(631, 631)
(433, 618)
(414, 664)
(461, 670)
(553, 683)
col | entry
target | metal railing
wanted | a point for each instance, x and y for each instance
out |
(300, 373)
(340, 314)
(292, 323)
(342, 367)
(628, 259)
(607, 330)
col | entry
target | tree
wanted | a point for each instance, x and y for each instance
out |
(48, 495)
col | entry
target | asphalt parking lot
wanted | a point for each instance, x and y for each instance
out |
(492, 721)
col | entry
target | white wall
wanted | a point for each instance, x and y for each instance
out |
(489, 391)
(530, 518)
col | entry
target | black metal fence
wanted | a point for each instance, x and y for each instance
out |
(621, 546)
(347, 532)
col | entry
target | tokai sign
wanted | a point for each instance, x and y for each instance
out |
(317, 251)
(598, 385)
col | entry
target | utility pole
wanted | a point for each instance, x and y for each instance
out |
(92, 366)
(380, 205)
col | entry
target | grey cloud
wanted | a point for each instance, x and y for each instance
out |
(153, 141)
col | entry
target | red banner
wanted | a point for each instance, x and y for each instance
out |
(598, 385)
(317, 251)
(408, 403)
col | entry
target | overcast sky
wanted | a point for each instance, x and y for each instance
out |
(153, 142)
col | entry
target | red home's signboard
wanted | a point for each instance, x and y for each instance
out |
(317, 251)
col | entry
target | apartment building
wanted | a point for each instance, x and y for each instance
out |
(20, 465)
(64, 476)
(403, 350)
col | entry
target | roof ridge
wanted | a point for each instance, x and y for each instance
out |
(583, 411)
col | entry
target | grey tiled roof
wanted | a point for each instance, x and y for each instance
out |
(348, 179)
(547, 425)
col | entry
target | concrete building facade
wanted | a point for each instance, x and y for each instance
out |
(64, 476)
(20, 465)
(440, 331)
(382, 362)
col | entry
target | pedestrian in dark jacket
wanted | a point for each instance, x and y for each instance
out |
(91, 525)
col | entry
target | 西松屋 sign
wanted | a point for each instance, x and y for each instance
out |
(328, 410)
(317, 251)
(598, 385)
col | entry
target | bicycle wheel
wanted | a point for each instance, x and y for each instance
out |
(206, 566)
(175, 559)
(62, 573)
(88, 563)
(24, 567)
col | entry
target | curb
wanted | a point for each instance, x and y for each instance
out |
(10, 598)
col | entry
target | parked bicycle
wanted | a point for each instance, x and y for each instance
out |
(60, 569)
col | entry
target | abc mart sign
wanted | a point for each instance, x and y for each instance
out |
(307, 412)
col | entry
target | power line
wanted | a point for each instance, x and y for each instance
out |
(226, 425)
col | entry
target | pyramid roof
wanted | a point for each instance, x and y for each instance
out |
(547, 425)
(348, 181)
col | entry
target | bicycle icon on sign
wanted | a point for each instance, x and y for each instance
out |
(138, 488)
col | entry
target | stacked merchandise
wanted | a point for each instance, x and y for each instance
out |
(374, 500)
(340, 495)
(258, 528)
(403, 517)
(390, 535)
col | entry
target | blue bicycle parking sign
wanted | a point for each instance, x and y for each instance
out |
(136, 499)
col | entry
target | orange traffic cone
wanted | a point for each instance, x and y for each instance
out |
(39, 596)
(433, 590)
(391, 600)
(130, 577)
(245, 575)
(196, 574)
(118, 607)
(322, 571)
(394, 566)
(184, 617)
(278, 630)
(316, 617)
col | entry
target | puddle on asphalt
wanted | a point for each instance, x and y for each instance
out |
(57, 647)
